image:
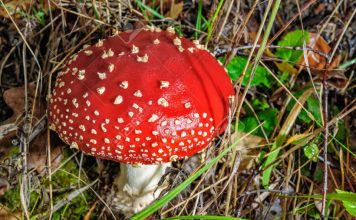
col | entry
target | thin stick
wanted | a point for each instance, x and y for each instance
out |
(24, 145)
(220, 51)
(325, 119)
(325, 143)
(49, 169)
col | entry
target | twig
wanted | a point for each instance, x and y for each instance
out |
(220, 51)
(193, 195)
(227, 183)
(281, 192)
(67, 199)
(258, 56)
(7, 128)
(227, 14)
(244, 197)
(24, 142)
(325, 118)
(341, 36)
(325, 143)
(72, 195)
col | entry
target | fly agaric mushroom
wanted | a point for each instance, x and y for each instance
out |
(144, 100)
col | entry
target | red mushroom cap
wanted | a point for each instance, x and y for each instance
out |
(146, 96)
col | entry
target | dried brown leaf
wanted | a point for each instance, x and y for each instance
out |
(6, 214)
(317, 61)
(4, 186)
(37, 157)
(175, 10)
(15, 99)
(249, 148)
(170, 8)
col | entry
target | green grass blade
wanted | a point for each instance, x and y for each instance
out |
(199, 18)
(215, 15)
(276, 147)
(343, 197)
(172, 194)
(155, 13)
(347, 64)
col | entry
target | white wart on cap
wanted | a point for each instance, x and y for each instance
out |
(124, 99)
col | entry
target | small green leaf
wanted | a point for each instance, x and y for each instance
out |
(311, 151)
(310, 209)
(318, 175)
(312, 105)
(283, 133)
(349, 205)
(341, 132)
(292, 39)
(259, 104)
(267, 117)
(247, 124)
(236, 67)
(40, 15)
(284, 77)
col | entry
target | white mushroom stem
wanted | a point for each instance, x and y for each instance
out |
(138, 186)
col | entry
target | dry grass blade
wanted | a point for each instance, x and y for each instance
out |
(299, 112)
(284, 131)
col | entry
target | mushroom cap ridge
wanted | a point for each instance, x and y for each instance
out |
(148, 97)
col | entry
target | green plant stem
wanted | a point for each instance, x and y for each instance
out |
(213, 19)
(347, 64)
(155, 13)
(260, 53)
(199, 17)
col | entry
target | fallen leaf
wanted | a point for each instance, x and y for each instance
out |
(15, 99)
(298, 138)
(249, 148)
(286, 67)
(175, 10)
(90, 212)
(4, 186)
(170, 8)
(263, 196)
(6, 214)
(37, 155)
(282, 66)
(13, 7)
(317, 61)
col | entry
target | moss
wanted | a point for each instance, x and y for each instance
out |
(64, 181)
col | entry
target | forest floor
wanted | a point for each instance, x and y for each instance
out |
(289, 150)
